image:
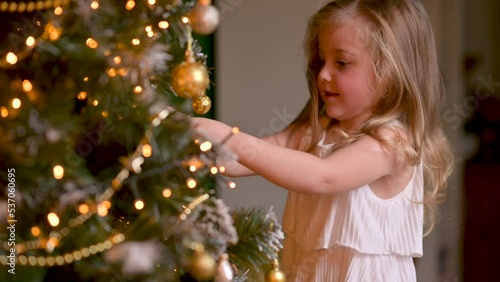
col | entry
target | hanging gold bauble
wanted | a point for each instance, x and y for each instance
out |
(203, 266)
(204, 17)
(275, 275)
(190, 79)
(201, 104)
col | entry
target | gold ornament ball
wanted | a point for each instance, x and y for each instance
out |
(201, 104)
(204, 19)
(190, 79)
(203, 266)
(275, 275)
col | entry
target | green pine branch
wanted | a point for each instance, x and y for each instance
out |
(260, 238)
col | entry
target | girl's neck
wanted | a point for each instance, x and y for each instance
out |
(337, 131)
(348, 126)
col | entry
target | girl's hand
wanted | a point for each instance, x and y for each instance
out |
(196, 121)
(212, 129)
(216, 132)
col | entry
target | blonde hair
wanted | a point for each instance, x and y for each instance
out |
(400, 39)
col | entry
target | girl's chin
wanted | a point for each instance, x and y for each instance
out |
(339, 117)
(333, 114)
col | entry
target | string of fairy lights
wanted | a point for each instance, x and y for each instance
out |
(185, 83)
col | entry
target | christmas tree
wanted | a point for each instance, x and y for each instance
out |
(103, 177)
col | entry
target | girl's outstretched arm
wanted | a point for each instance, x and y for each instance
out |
(286, 138)
(350, 167)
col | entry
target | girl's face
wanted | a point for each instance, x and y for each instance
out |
(346, 78)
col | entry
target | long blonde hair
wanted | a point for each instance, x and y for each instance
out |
(402, 45)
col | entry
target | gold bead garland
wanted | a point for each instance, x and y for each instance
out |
(67, 257)
(187, 210)
(116, 184)
(30, 6)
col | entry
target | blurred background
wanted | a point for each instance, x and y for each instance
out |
(260, 86)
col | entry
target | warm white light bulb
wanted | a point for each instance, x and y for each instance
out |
(30, 41)
(191, 183)
(139, 205)
(205, 146)
(4, 112)
(136, 41)
(16, 103)
(53, 219)
(130, 5)
(11, 58)
(82, 95)
(27, 86)
(58, 11)
(147, 150)
(163, 24)
(137, 89)
(91, 43)
(35, 230)
(83, 208)
(167, 193)
(58, 172)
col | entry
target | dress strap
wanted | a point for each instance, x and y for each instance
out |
(321, 143)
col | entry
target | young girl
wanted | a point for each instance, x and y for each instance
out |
(366, 159)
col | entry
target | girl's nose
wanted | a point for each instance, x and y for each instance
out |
(324, 75)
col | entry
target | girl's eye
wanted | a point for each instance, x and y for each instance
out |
(342, 64)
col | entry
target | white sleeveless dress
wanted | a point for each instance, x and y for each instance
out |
(353, 236)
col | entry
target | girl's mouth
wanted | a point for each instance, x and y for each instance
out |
(330, 94)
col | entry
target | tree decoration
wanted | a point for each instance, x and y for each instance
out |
(203, 266)
(30, 6)
(204, 17)
(201, 104)
(190, 78)
(225, 271)
(275, 274)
